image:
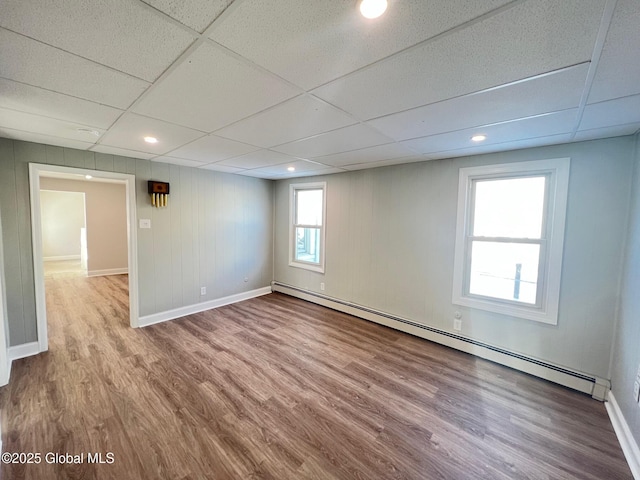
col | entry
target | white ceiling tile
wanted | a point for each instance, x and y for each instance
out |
(606, 132)
(386, 163)
(197, 14)
(212, 149)
(337, 141)
(559, 90)
(366, 155)
(220, 168)
(312, 42)
(25, 98)
(612, 112)
(122, 152)
(211, 89)
(618, 73)
(261, 158)
(515, 130)
(46, 126)
(299, 167)
(109, 33)
(550, 35)
(502, 147)
(177, 161)
(130, 130)
(256, 174)
(311, 173)
(34, 63)
(294, 119)
(46, 139)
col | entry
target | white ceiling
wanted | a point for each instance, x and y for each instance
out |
(254, 87)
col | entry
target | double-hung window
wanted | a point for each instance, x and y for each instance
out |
(307, 219)
(510, 236)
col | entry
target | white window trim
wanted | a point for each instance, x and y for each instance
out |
(558, 169)
(292, 207)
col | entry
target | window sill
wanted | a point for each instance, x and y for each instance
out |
(527, 313)
(307, 266)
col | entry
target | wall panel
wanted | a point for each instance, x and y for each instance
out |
(395, 229)
(201, 239)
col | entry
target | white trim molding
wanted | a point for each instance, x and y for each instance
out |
(625, 437)
(580, 381)
(35, 172)
(551, 240)
(22, 351)
(15, 353)
(60, 258)
(293, 262)
(109, 271)
(201, 307)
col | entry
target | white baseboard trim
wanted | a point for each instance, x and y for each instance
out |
(15, 353)
(22, 351)
(200, 307)
(625, 437)
(4, 377)
(60, 258)
(110, 271)
(590, 384)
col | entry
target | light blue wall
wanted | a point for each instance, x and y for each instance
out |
(390, 247)
(217, 231)
(626, 349)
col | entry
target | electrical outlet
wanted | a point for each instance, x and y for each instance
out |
(322, 286)
(203, 290)
(457, 324)
(246, 279)
(636, 390)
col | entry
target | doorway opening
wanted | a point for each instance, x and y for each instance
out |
(42, 175)
(64, 232)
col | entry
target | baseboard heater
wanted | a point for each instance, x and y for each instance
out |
(592, 385)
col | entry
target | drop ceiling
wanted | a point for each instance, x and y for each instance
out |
(254, 87)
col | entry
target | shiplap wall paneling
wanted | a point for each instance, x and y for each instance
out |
(625, 360)
(216, 231)
(24, 152)
(187, 236)
(146, 263)
(400, 245)
(11, 243)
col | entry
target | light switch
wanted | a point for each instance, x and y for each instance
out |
(145, 223)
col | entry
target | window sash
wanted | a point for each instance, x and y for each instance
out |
(556, 171)
(542, 241)
(294, 226)
(542, 263)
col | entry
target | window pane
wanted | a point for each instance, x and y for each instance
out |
(511, 207)
(507, 271)
(308, 244)
(309, 207)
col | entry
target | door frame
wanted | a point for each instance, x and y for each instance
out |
(35, 170)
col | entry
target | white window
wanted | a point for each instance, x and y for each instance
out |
(509, 239)
(306, 236)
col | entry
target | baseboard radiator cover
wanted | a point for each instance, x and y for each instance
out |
(597, 387)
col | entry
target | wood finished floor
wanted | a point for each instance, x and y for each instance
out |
(278, 388)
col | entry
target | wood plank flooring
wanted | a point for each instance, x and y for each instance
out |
(278, 388)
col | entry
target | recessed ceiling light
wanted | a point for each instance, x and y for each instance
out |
(372, 8)
(88, 177)
(291, 169)
(479, 138)
(151, 139)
